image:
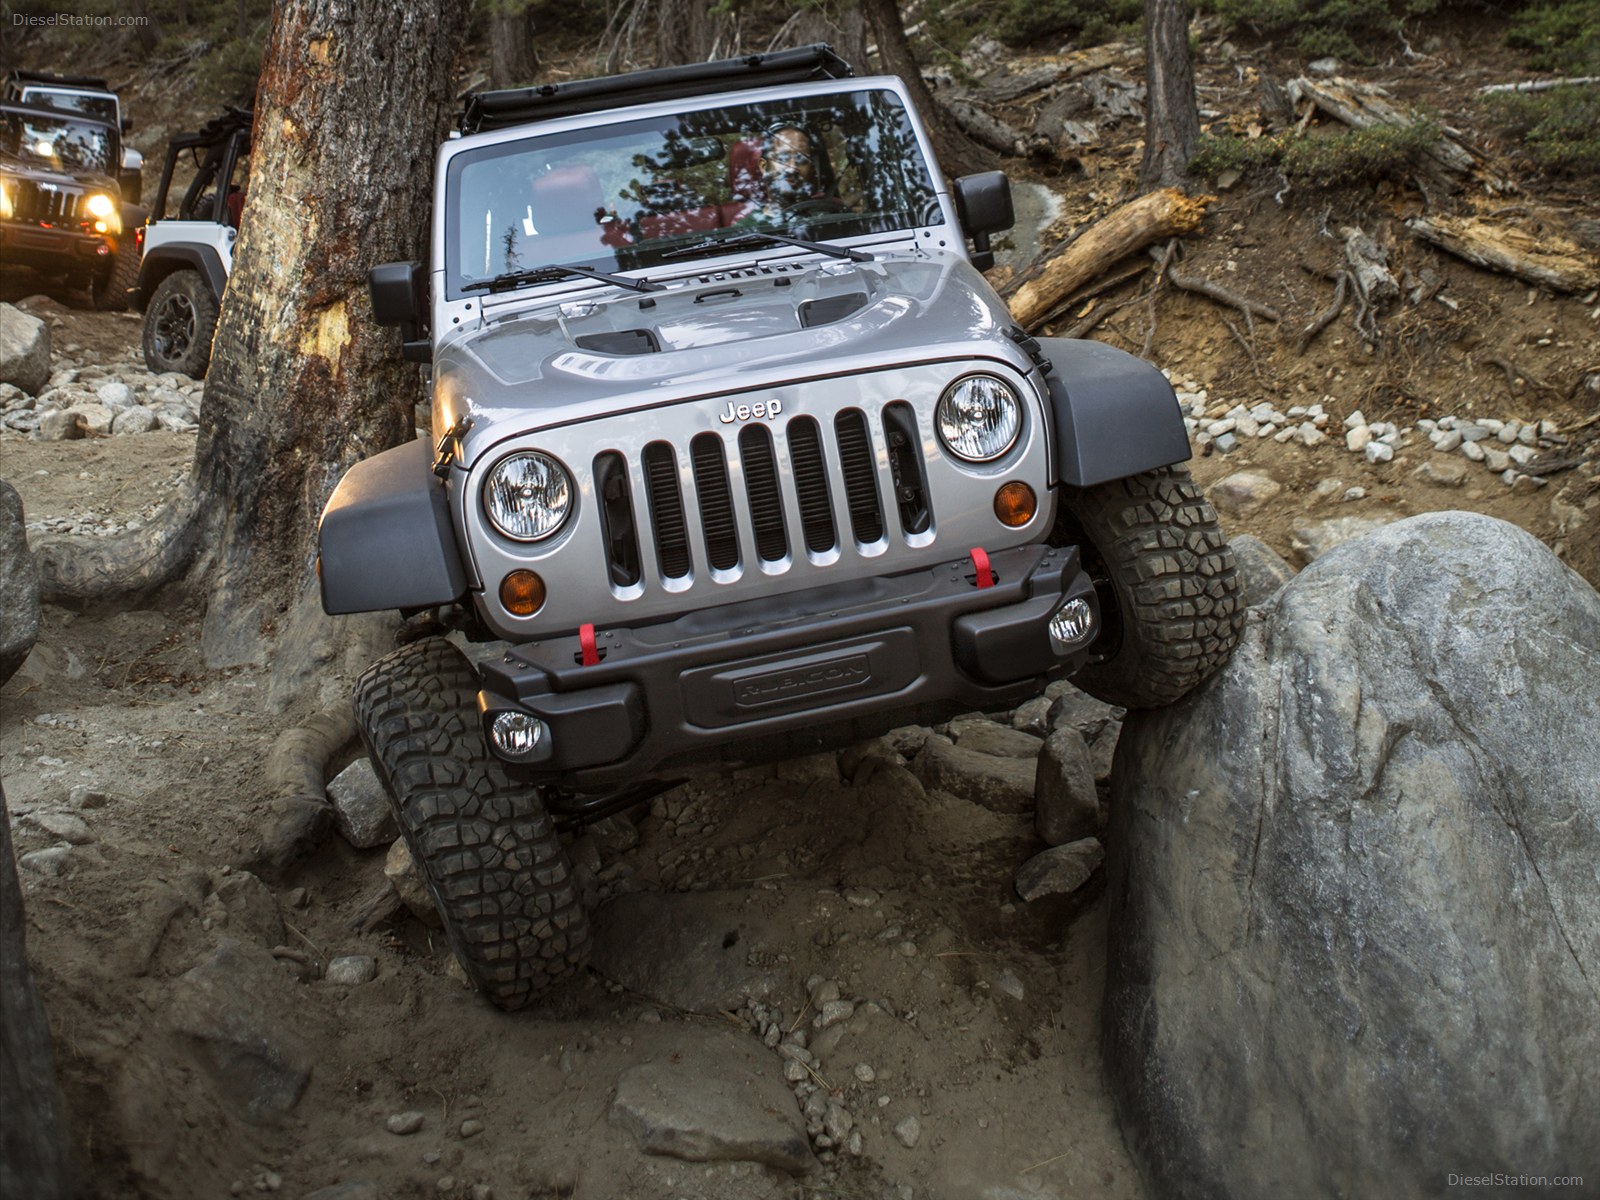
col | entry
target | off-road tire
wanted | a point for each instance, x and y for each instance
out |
(483, 843)
(179, 323)
(1170, 595)
(109, 292)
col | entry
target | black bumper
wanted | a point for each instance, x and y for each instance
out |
(814, 670)
(52, 248)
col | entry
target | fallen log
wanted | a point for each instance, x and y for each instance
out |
(1538, 85)
(1362, 106)
(1152, 217)
(1547, 260)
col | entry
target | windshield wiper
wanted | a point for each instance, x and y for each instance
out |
(757, 236)
(516, 279)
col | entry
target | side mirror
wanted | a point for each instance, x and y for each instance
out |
(983, 206)
(399, 297)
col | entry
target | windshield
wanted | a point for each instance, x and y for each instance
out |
(97, 105)
(623, 197)
(62, 143)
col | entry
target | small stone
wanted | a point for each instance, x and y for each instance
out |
(908, 1132)
(794, 1071)
(115, 395)
(1227, 443)
(404, 1124)
(1243, 493)
(361, 809)
(865, 1073)
(471, 1127)
(482, 1191)
(1472, 451)
(1448, 440)
(1522, 455)
(1379, 452)
(1509, 432)
(835, 1011)
(1355, 420)
(69, 827)
(1059, 870)
(837, 1123)
(1471, 431)
(1442, 472)
(1496, 460)
(352, 969)
(1358, 438)
(1355, 493)
(133, 421)
(861, 897)
(53, 861)
(447, 1183)
(1008, 983)
(825, 992)
(853, 1143)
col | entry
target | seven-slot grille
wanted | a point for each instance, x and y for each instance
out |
(48, 205)
(774, 490)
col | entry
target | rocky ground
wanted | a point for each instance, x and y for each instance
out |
(826, 966)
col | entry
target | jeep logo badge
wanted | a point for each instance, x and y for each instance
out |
(747, 412)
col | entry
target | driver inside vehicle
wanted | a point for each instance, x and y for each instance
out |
(793, 175)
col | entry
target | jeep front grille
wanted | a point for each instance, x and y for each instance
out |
(718, 510)
(45, 205)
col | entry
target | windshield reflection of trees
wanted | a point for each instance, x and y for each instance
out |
(68, 143)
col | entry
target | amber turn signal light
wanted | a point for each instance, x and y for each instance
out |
(522, 592)
(1015, 504)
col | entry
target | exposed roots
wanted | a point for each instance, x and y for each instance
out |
(85, 569)
(1213, 291)
(1327, 316)
(298, 813)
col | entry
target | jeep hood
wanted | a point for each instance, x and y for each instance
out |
(732, 330)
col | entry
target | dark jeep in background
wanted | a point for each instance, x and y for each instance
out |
(739, 456)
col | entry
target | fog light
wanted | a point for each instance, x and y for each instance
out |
(522, 592)
(1015, 504)
(519, 735)
(1073, 622)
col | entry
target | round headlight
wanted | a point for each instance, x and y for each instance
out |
(100, 205)
(527, 496)
(979, 418)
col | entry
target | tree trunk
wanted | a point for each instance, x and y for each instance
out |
(685, 32)
(354, 97)
(514, 58)
(958, 154)
(1172, 120)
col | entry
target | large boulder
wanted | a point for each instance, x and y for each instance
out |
(24, 350)
(1355, 918)
(19, 585)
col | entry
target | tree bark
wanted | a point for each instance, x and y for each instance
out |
(354, 98)
(1545, 259)
(1172, 117)
(958, 154)
(685, 32)
(513, 56)
(1153, 217)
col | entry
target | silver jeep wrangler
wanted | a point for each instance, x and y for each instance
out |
(739, 457)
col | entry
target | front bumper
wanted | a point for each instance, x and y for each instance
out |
(807, 671)
(54, 248)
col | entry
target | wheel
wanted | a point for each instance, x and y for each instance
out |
(110, 292)
(1171, 600)
(178, 325)
(483, 843)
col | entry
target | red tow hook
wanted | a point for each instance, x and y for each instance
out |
(591, 651)
(980, 563)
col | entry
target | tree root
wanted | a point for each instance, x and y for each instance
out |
(1255, 363)
(1161, 273)
(1204, 287)
(299, 814)
(84, 569)
(1089, 323)
(1327, 316)
(1514, 372)
(1099, 289)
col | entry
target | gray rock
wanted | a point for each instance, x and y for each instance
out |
(1448, 440)
(1441, 472)
(676, 948)
(1103, 750)
(1354, 927)
(1311, 542)
(998, 784)
(1081, 711)
(1060, 870)
(988, 737)
(133, 421)
(58, 425)
(231, 1011)
(94, 420)
(24, 350)
(115, 395)
(361, 811)
(1033, 717)
(716, 1098)
(65, 826)
(19, 585)
(837, 1122)
(251, 909)
(1243, 493)
(1066, 806)
(400, 870)
(351, 970)
(404, 1124)
(1263, 569)
(471, 1127)
(835, 1011)
(908, 1132)
(53, 860)
(1227, 443)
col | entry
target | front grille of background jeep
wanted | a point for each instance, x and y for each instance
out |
(772, 486)
(48, 206)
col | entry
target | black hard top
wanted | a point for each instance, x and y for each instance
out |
(86, 82)
(520, 106)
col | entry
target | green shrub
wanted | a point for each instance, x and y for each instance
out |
(1558, 130)
(1323, 27)
(1352, 157)
(1027, 22)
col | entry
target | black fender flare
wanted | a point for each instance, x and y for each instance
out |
(1113, 414)
(164, 260)
(385, 540)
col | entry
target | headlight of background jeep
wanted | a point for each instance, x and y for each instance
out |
(527, 496)
(979, 418)
(7, 205)
(100, 205)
